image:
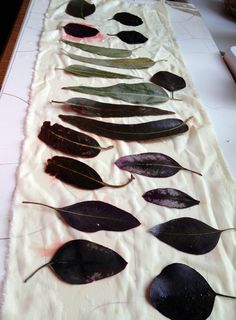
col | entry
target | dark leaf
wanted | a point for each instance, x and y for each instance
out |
(151, 164)
(188, 235)
(128, 19)
(83, 261)
(77, 174)
(80, 30)
(130, 37)
(93, 108)
(129, 132)
(171, 198)
(80, 8)
(70, 141)
(92, 216)
(168, 80)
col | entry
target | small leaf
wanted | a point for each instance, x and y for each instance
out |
(169, 81)
(171, 198)
(137, 93)
(84, 71)
(134, 63)
(92, 216)
(129, 132)
(83, 261)
(130, 37)
(80, 30)
(151, 164)
(128, 19)
(181, 293)
(93, 108)
(77, 174)
(101, 51)
(70, 141)
(188, 235)
(80, 8)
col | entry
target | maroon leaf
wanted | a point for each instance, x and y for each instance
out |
(80, 30)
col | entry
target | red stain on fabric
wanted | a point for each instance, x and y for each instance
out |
(97, 37)
(49, 252)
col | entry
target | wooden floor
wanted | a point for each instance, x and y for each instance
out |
(6, 56)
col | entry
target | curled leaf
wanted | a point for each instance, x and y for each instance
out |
(181, 293)
(130, 37)
(77, 174)
(188, 235)
(70, 141)
(80, 8)
(80, 30)
(171, 198)
(92, 216)
(151, 164)
(129, 132)
(83, 261)
(127, 19)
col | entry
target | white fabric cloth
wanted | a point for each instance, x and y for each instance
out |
(122, 296)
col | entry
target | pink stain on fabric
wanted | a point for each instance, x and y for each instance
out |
(97, 37)
(49, 252)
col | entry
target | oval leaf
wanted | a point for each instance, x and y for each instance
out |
(83, 261)
(77, 173)
(130, 37)
(135, 63)
(80, 30)
(187, 235)
(171, 198)
(168, 80)
(92, 216)
(180, 293)
(128, 19)
(101, 51)
(80, 8)
(136, 93)
(93, 108)
(128, 132)
(69, 141)
(84, 71)
(151, 164)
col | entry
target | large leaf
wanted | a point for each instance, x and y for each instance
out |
(151, 164)
(92, 216)
(137, 93)
(127, 19)
(181, 293)
(84, 71)
(80, 30)
(77, 174)
(80, 8)
(188, 235)
(70, 141)
(93, 108)
(132, 63)
(83, 261)
(129, 132)
(130, 37)
(171, 198)
(101, 51)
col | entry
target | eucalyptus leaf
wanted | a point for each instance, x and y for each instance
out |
(80, 30)
(88, 72)
(181, 293)
(130, 37)
(77, 174)
(92, 216)
(82, 262)
(129, 132)
(101, 51)
(188, 235)
(80, 8)
(171, 198)
(137, 93)
(127, 19)
(93, 108)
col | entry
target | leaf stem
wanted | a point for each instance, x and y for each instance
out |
(39, 204)
(107, 148)
(121, 185)
(54, 101)
(32, 274)
(225, 296)
(228, 229)
(192, 171)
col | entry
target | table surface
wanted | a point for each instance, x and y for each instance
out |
(213, 82)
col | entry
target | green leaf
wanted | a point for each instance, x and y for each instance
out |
(101, 51)
(84, 71)
(136, 63)
(137, 93)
